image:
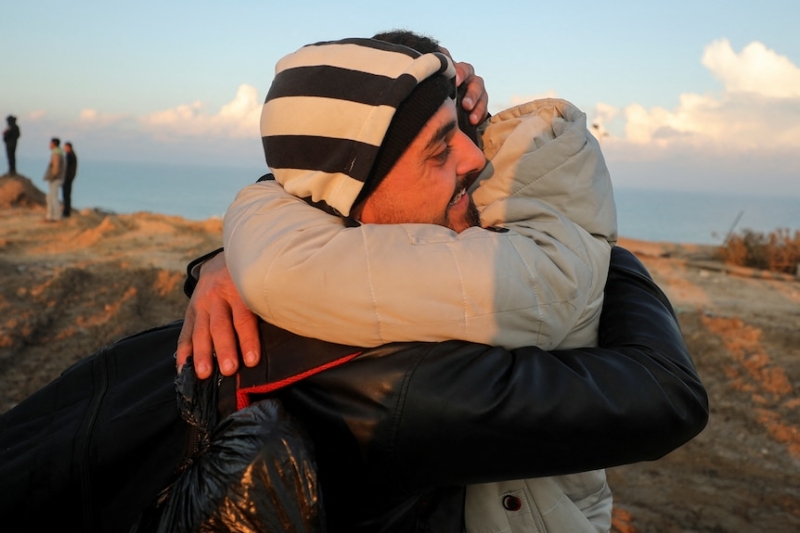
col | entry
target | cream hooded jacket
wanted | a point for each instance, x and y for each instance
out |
(539, 281)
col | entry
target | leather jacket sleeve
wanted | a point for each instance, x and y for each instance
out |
(452, 413)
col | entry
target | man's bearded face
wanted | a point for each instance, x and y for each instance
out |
(428, 184)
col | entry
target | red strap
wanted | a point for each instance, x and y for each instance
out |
(243, 395)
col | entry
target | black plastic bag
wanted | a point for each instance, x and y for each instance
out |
(253, 471)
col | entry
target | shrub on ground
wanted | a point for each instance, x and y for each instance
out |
(778, 251)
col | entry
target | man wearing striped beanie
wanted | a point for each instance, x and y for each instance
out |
(339, 115)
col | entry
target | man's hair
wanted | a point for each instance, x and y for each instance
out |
(423, 44)
(68, 144)
(56, 141)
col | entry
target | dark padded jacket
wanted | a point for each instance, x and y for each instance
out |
(400, 429)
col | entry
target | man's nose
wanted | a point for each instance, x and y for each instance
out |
(471, 158)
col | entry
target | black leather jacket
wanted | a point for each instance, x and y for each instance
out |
(400, 429)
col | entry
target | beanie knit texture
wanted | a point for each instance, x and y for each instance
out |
(326, 116)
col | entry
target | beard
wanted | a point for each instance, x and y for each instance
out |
(469, 219)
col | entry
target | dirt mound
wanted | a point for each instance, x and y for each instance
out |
(69, 288)
(19, 191)
(58, 314)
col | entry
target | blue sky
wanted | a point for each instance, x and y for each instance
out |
(701, 95)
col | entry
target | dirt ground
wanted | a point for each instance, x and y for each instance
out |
(71, 287)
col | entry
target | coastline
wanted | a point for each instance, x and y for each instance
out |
(71, 287)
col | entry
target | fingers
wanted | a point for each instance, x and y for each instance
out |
(217, 324)
(208, 335)
(476, 99)
(464, 71)
(246, 324)
(480, 110)
(185, 340)
(223, 339)
(201, 344)
(195, 340)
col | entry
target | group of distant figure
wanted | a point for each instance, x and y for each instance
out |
(59, 175)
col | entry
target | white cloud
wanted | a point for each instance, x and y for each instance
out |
(185, 132)
(176, 115)
(757, 111)
(756, 70)
(95, 119)
(239, 118)
(605, 113)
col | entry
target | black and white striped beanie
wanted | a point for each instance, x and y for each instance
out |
(339, 114)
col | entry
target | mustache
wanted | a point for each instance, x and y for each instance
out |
(464, 183)
(470, 178)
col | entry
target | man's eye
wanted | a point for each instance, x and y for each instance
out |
(442, 156)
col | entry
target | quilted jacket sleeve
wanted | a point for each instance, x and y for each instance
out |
(303, 270)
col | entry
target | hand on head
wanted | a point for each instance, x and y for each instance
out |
(476, 99)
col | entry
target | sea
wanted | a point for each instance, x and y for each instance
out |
(201, 192)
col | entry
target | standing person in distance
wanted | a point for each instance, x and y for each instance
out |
(54, 176)
(72, 169)
(10, 136)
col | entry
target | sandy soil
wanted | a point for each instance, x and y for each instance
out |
(69, 288)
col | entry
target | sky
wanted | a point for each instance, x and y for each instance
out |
(685, 95)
